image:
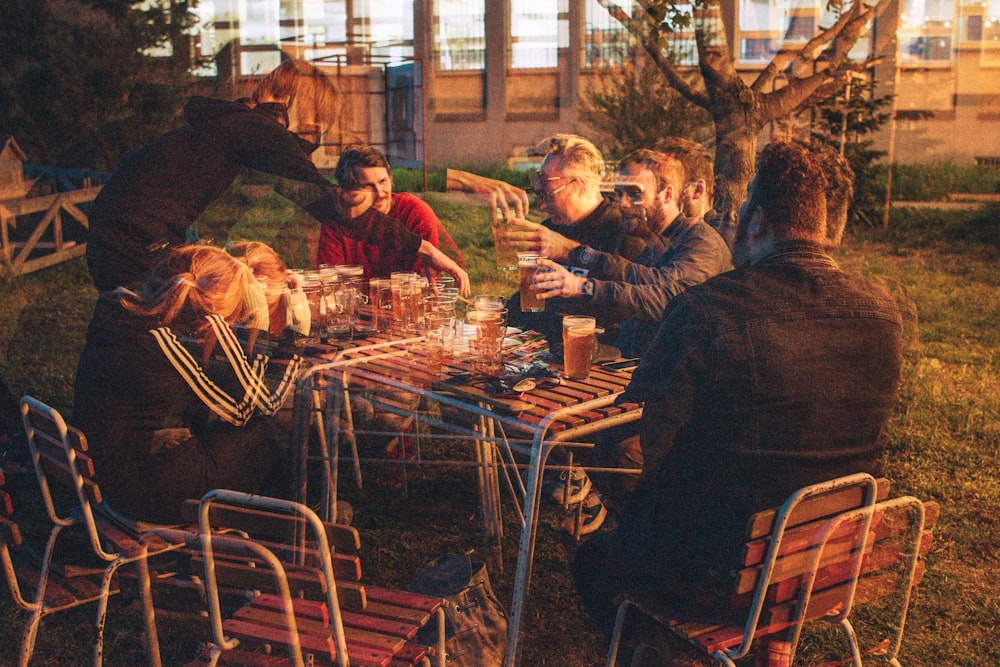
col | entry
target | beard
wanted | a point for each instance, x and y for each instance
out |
(741, 247)
(640, 222)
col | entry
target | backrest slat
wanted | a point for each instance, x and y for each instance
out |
(272, 525)
(811, 509)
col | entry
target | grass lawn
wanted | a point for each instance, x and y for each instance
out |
(944, 444)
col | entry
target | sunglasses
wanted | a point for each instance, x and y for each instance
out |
(631, 190)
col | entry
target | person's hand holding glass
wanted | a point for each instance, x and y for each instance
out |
(556, 281)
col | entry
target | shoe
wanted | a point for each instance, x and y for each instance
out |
(579, 487)
(586, 517)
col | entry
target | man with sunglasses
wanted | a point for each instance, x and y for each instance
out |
(679, 253)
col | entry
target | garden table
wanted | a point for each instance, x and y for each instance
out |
(506, 428)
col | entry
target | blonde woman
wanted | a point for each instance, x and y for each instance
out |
(160, 189)
(170, 401)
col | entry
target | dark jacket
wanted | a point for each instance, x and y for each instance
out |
(760, 381)
(602, 230)
(160, 189)
(636, 293)
(162, 426)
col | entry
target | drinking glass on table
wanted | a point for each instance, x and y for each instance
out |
(380, 300)
(405, 290)
(439, 335)
(487, 302)
(579, 336)
(341, 304)
(486, 343)
(439, 312)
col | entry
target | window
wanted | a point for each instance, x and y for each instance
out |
(979, 28)
(766, 26)
(538, 29)
(926, 30)
(606, 41)
(459, 35)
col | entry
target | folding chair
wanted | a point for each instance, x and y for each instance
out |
(310, 612)
(828, 547)
(59, 453)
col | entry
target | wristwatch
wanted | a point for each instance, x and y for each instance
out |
(588, 287)
(584, 255)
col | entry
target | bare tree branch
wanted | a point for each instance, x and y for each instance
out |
(651, 45)
(838, 39)
(830, 68)
(787, 55)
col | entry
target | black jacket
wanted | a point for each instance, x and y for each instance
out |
(160, 189)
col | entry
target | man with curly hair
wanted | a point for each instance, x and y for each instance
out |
(762, 380)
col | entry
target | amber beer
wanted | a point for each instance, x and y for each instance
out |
(506, 255)
(527, 266)
(579, 341)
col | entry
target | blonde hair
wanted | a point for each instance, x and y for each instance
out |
(577, 154)
(190, 283)
(308, 90)
(263, 261)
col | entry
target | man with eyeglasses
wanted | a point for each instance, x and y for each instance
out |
(679, 252)
(363, 172)
(568, 186)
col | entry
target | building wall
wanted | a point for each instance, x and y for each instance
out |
(948, 105)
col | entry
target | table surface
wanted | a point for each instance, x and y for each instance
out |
(561, 401)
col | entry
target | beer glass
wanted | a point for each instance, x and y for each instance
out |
(506, 255)
(579, 336)
(527, 267)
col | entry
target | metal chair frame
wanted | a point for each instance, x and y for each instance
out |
(862, 516)
(81, 514)
(209, 536)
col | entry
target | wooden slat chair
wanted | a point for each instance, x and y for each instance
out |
(307, 594)
(34, 585)
(829, 547)
(60, 456)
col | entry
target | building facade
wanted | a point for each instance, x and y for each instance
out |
(461, 82)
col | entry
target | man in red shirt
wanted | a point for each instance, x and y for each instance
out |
(364, 171)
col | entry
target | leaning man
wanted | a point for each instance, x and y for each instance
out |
(779, 374)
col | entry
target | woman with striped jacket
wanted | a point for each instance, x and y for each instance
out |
(170, 400)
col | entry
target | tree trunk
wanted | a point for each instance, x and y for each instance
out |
(737, 126)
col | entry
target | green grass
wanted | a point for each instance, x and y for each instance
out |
(943, 439)
(933, 182)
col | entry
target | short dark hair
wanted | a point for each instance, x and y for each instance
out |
(697, 159)
(359, 156)
(667, 169)
(790, 187)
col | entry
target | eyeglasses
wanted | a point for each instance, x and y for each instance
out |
(541, 184)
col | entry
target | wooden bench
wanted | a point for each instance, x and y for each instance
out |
(829, 547)
(379, 625)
